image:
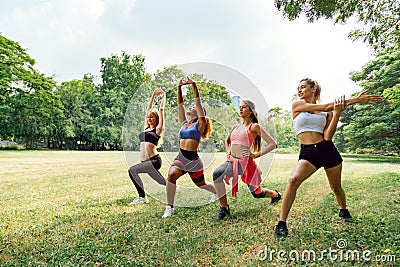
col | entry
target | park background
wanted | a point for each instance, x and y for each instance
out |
(46, 221)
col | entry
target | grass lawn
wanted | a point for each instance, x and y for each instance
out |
(70, 208)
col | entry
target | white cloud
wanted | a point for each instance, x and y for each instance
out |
(69, 37)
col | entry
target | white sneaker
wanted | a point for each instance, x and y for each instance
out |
(168, 211)
(213, 198)
(139, 200)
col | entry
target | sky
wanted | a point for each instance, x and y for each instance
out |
(67, 38)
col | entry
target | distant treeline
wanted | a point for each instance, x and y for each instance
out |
(109, 114)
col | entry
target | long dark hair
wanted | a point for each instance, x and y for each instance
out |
(256, 146)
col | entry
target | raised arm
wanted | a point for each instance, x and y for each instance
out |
(201, 121)
(149, 107)
(160, 127)
(331, 125)
(181, 106)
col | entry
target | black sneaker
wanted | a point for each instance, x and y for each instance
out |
(275, 200)
(280, 230)
(223, 212)
(344, 214)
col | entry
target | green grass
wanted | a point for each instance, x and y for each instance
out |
(69, 208)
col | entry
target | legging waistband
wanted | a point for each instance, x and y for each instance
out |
(190, 155)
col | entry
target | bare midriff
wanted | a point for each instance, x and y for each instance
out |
(309, 138)
(147, 150)
(188, 144)
(236, 150)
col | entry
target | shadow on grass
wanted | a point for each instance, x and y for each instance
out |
(362, 158)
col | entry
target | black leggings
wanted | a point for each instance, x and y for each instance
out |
(151, 167)
(226, 169)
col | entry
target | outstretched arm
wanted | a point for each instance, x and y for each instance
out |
(181, 106)
(362, 98)
(330, 129)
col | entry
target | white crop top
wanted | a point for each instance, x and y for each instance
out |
(308, 122)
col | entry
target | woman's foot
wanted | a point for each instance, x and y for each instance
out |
(275, 200)
(139, 200)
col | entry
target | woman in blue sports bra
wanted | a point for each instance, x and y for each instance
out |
(149, 140)
(195, 129)
(315, 125)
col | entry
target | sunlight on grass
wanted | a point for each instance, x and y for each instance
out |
(70, 208)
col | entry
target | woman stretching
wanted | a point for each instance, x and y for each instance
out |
(240, 160)
(315, 124)
(149, 140)
(198, 127)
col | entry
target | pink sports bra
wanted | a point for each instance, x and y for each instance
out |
(241, 135)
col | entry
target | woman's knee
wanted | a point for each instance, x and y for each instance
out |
(218, 176)
(133, 171)
(173, 175)
(294, 181)
(219, 172)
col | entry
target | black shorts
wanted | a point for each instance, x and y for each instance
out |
(322, 154)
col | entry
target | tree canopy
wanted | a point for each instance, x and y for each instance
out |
(380, 18)
(29, 110)
(376, 127)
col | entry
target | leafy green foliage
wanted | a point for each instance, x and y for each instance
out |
(376, 127)
(121, 78)
(29, 108)
(381, 19)
(285, 135)
(79, 98)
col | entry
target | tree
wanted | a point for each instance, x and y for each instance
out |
(376, 127)
(29, 108)
(285, 135)
(381, 18)
(121, 78)
(79, 97)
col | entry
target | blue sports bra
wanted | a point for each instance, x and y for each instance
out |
(190, 133)
(149, 136)
(308, 122)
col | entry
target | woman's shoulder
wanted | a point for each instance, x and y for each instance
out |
(254, 127)
(297, 103)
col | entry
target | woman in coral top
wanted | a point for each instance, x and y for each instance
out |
(243, 145)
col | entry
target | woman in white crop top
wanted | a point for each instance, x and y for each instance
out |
(315, 125)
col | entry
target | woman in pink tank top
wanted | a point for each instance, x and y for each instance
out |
(243, 145)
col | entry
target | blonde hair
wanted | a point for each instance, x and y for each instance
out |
(313, 83)
(256, 146)
(155, 113)
(208, 128)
